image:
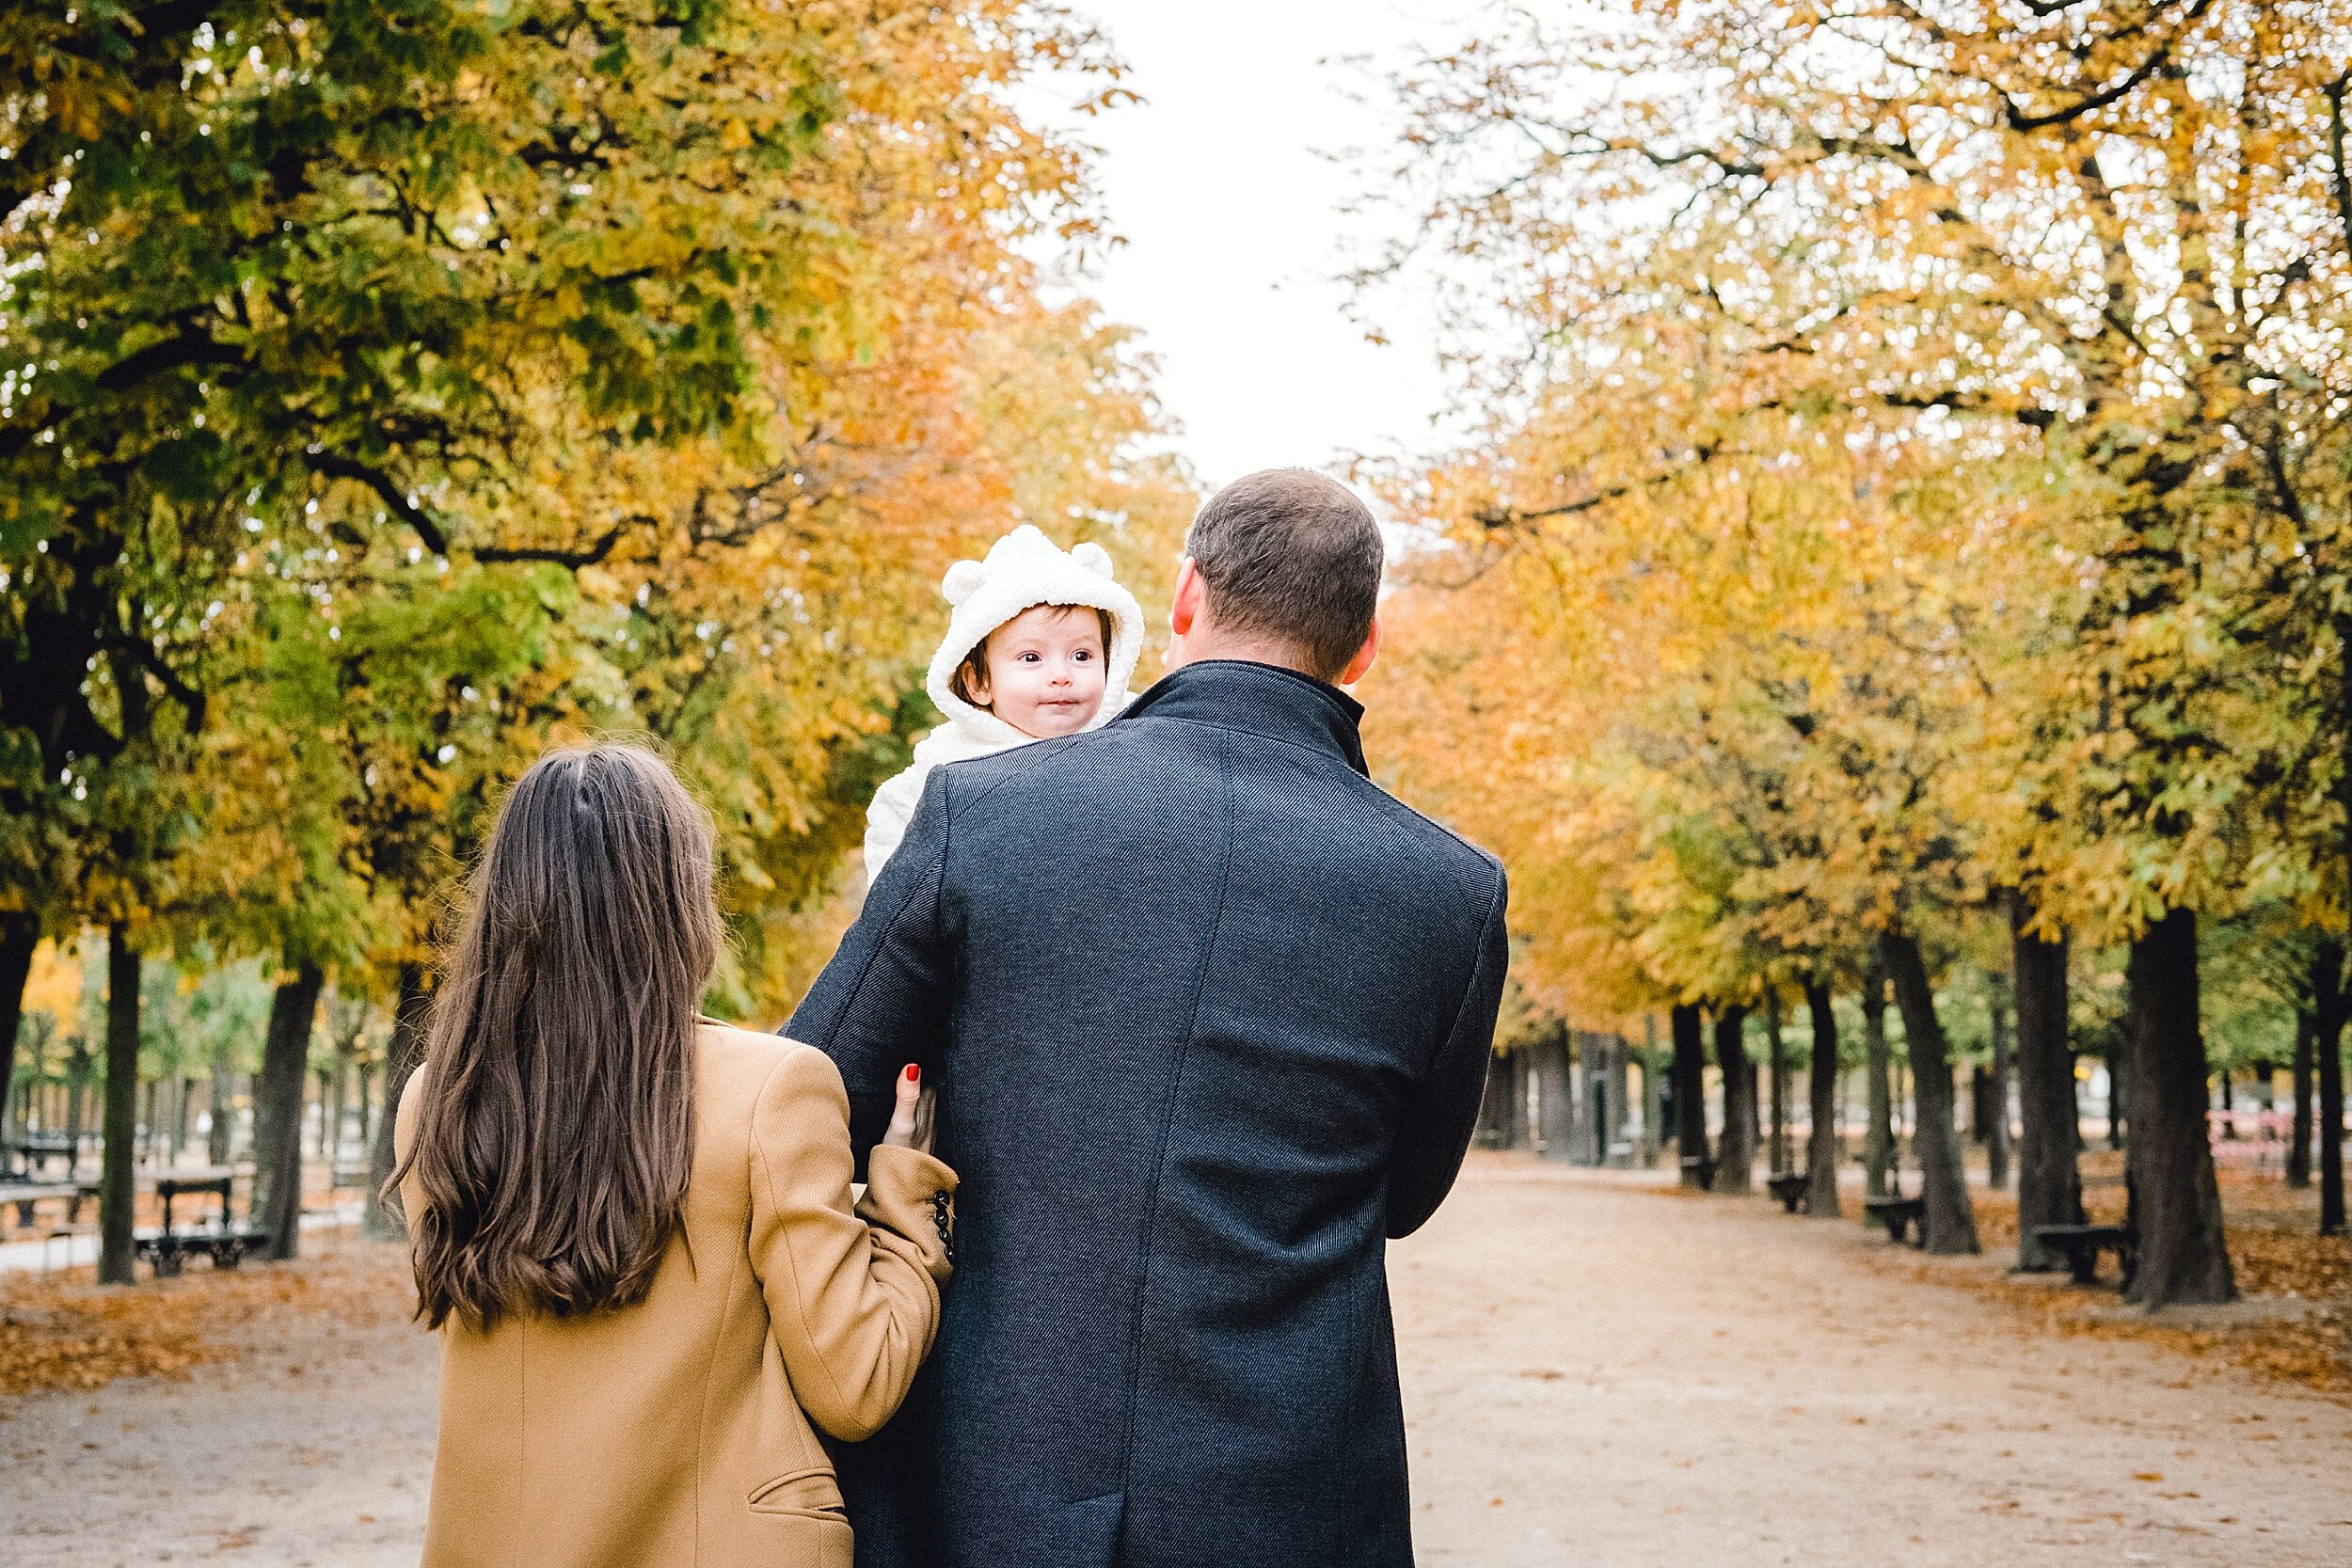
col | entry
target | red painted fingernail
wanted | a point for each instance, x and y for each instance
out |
(914, 1073)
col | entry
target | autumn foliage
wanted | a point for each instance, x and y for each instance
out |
(1911, 490)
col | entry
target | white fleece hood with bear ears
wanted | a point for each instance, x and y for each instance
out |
(1023, 569)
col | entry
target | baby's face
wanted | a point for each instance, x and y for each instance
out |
(1045, 669)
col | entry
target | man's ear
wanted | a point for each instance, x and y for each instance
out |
(1191, 596)
(1364, 656)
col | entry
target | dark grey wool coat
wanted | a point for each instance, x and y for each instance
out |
(1209, 1013)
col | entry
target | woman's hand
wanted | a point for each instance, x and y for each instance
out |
(911, 1117)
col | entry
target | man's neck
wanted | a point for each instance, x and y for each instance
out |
(1200, 649)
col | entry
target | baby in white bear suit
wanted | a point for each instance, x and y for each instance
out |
(1043, 642)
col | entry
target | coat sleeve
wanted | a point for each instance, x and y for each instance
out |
(1437, 1122)
(882, 1000)
(853, 1294)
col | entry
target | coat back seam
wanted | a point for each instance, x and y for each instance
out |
(1159, 1150)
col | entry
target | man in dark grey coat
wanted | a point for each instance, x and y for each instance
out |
(1209, 1013)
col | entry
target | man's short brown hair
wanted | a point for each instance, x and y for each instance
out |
(1293, 557)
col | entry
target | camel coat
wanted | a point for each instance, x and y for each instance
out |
(677, 1431)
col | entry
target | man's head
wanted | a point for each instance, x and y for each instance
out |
(1281, 567)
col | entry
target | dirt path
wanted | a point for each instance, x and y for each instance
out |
(1595, 1374)
(1642, 1379)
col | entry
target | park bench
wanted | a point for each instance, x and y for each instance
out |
(2082, 1244)
(1899, 1214)
(225, 1244)
(24, 1194)
(36, 1149)
(347, 1174)
(1790, 1188)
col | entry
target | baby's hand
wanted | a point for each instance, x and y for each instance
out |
(910, 1118)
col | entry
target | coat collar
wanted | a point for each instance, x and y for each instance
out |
(1258, 699)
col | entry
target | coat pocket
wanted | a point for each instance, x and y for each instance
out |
(809, 1494)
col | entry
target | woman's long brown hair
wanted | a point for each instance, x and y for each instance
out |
(556, 1125)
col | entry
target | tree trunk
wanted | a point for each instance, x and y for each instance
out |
(2331, 1136)
(20, 933)
(1690, 1092)
(278, 1097)
(1734, 1156)
(77, 1069)
(1754, 1099)
(220, 1093)
(122, 1108)
(1504, 1114)
(1653, 1093)
(2306, 1058)
(2177, 1205)
(1778, 1059)
(2119, 1096)
(1554, 1132)
(1821, 1153)
(1997, 1131)
(1877, 1136)
(1948, 1225)
(410, 1014)
(2330, 1004)
(2049, 1178)
(1619, 1113)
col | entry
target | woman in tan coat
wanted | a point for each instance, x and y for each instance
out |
(632, 1226)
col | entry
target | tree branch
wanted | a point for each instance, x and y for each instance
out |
(395, 500)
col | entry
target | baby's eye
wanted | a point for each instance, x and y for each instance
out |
(1083, 655)
(1026, 658)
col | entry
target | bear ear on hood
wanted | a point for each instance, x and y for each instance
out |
(1093, 556)
(962, 579)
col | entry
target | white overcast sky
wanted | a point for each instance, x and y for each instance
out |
(1233, 235)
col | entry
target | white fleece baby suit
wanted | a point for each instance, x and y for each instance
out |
(1024, 568)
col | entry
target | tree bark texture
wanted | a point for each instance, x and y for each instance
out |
(1503, 1116)
(1655, 1067)
(1555, 1104)
(1616, 1100)
(1778, 1059)
(2049, 1173)
(1878, 1135)
(220, 1092)
(1948, 1224)
(2176, 1203)
(1997, 1130)
(2305, 1059)
(1690, 1090)
(278, 1096)
(122, 1108)
(20, 933)
(1735, 1155)
(2329, 1005)
(2119, 1096)
(410, 1014)
(1822, 1083)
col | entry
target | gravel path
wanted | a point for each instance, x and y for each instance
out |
(1596, 1373)
(1644, 1379)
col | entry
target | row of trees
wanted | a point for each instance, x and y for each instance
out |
(200, 1052)
(387, 390)
(1909, 529)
